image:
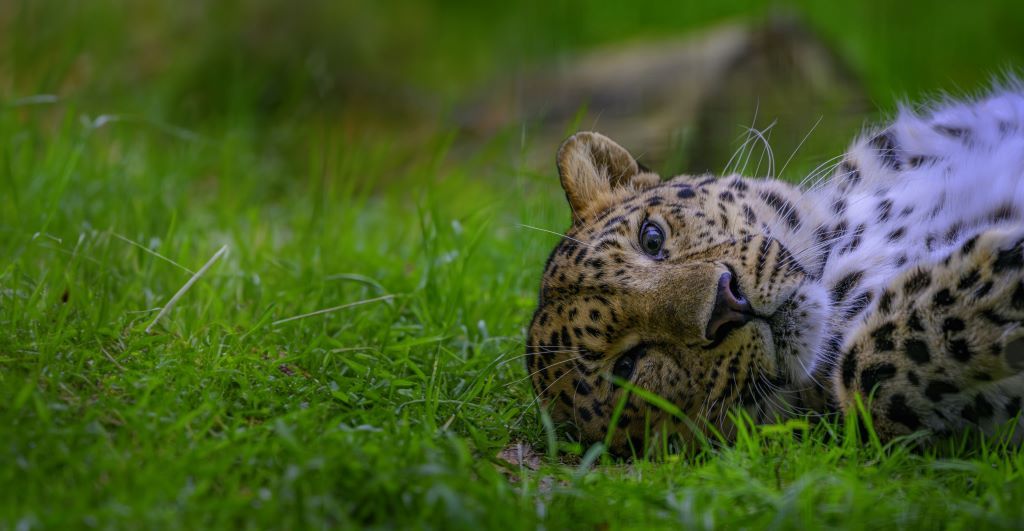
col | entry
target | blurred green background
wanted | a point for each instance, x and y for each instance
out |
(397, 67)
(326, 145)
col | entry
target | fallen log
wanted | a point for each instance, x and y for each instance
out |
(685, 104)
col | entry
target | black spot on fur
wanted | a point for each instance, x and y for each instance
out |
(899, 411)
(897, 234)
(612, 222)
(685, 193)
(968, 245)
(1013, 407)
(914, 322)
(837, 232)
(886, 146)
(1002, 213)
(784, 208)
(848, 173)
(845, 285)
(983, 290)
(953, 232)
(943, 298)
(978, 410)
(748, 214)
(885, 302)
(849, 367)
(968, 279)
(1017, 299)
(854, 240)
(955, 132)
(953, 325)
(858, 304)
(917, 351)
(884, 210)
(883, 337)
(993, 317)
(874, 375)
(787, 260)
(960, 350)
(762, 256)
(1009, 259)
(918, 281)
(917, 161)
(936, 389)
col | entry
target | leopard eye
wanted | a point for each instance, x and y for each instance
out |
(652, 238)
(626, 364)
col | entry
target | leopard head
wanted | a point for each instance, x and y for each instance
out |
(677, 289)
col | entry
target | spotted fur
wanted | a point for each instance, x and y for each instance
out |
(900, 279)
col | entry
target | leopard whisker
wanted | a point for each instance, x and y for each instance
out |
(528, 354)
(760, 134)
(559, 234)
(742, 148)
(536, 399)
(546, 367)
(800, 145)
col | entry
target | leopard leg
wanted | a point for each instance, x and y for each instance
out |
(943, 349)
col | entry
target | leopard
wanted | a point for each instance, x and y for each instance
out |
(890, 285)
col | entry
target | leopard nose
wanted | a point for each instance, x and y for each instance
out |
(731, 310)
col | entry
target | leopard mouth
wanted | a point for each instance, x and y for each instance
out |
(731, 328)
(731, 311)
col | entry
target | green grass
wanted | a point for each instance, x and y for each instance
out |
(163, 145)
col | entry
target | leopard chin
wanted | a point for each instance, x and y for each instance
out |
(798, 330)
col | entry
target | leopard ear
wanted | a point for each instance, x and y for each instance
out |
(596, 172)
